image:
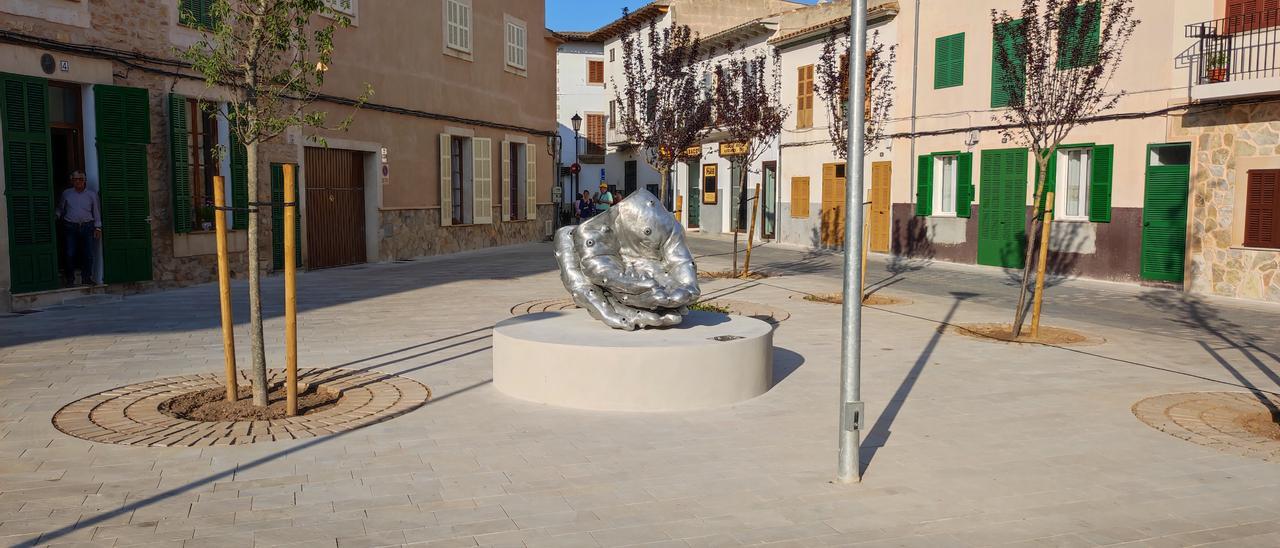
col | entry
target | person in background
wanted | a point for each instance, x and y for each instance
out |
(584, 207)
(604, 199)
(81, 216)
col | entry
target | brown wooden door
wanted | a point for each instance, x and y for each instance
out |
(335, 207)
(881, 178)
(833, 182)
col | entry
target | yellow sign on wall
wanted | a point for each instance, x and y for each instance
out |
(709, 184)
(733, 149)
(693, 151)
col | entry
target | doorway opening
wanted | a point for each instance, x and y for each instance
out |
(66, 148)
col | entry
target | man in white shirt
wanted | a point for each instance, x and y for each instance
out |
(81, 217)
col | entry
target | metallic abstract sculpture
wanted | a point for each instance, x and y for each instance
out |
(629, 266)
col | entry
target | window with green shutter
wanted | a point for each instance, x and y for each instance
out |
(1080, 176)
(28, 170)
(1080, 35)
(196, 13)
(1007, 87)
(123, 134)
(948, 64)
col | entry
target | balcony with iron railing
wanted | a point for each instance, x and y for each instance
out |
(1234, 56)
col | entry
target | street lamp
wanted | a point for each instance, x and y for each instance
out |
(577, 125)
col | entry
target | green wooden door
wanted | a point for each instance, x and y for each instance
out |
(1164, 212)
(123, 133)
(1002, 233)
(694, 201)
(28, 169)
(277, 219)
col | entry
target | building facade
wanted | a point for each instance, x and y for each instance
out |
(580, 81)
(811, 206)
(1232, 125)
(626, 168)
(97, 87)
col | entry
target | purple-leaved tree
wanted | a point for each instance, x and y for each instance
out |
(749, 113)
(662, 107)
(1056, 61)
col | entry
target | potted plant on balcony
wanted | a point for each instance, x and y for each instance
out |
(1217, 67)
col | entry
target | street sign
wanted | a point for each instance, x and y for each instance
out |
(575, 168)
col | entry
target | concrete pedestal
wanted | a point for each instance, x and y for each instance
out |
(570, 359)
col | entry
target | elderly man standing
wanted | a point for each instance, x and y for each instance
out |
(81, 217)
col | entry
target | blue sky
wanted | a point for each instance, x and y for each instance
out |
(590, 14)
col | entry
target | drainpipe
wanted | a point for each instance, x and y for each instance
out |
(915, 78)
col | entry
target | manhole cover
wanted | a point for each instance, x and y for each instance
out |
(130, 415)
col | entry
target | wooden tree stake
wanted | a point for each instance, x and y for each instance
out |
(290, 293)
(224, 287)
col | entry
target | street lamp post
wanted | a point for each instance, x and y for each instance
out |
(577, 125)
(852, 414)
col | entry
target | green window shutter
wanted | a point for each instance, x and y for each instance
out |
(123, 133)
(1100, 178)
(948, 63)
(1007, 88)
(924, 186)
(239, 182)
(178, 150)
(1080, 37)
(964, 184)
(196, 13)
(1050, 179)
(28, 170)
(277, 220)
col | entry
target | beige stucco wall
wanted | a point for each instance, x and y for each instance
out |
(424, 78)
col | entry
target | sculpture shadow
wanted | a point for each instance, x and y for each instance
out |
(785, 362)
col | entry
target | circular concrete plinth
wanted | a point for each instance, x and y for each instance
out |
(569, 359)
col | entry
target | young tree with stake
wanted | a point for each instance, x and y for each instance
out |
(273, 55)
(663, 107)
(748, 111)
(1058, 59)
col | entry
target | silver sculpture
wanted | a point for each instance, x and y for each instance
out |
(629, 266)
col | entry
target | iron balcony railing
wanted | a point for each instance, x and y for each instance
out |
(1241, 47)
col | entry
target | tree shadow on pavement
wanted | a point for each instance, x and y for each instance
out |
(879, 434)
(1224, 336)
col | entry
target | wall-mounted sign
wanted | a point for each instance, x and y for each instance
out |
(692, 151)
(709, 184)
(733, 149)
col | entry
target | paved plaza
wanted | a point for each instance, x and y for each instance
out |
(968, 442)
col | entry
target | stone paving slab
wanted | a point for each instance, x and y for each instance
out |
(968, 442)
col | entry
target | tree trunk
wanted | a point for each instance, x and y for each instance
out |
(740, 214)
(1020, 315)
(258, 365)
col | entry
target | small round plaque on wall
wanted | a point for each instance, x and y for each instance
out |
(47, 63)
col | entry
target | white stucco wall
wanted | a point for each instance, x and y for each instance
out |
(574, 95)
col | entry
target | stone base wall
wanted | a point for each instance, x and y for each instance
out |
(1226, 142)
(410, 233)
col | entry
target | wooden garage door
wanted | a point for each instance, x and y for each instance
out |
(335, 207)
